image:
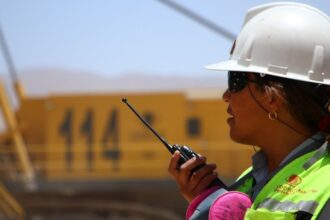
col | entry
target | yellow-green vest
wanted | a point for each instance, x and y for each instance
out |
(302, 185)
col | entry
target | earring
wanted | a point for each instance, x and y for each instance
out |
(272, 116)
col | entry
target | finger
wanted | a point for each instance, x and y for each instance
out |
(193, 163)
(202, 171)
(186, 171)
(198, 175)
(172, 168)
(205, 182)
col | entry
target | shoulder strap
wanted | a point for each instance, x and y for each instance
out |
(325, 213)
(240, 181)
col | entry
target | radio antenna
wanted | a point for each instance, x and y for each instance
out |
(167, 145)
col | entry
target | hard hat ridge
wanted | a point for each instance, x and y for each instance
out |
(285, 39)
(257, 9)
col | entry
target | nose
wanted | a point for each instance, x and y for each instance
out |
(226, 95)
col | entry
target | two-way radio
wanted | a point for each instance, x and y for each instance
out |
(185, 152)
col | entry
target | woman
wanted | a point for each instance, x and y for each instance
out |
(278, 100)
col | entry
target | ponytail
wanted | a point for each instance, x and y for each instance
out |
(324, 126)
(325, 123)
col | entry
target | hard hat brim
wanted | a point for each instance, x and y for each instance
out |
(231, 65)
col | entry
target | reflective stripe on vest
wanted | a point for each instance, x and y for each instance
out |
(317, 155)
(288, 206)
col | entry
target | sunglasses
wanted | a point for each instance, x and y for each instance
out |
(238, 81)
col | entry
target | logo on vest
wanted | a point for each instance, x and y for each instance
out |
(291, 186)
(294, 180)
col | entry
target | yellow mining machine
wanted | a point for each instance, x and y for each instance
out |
(61, 154)
(88, 157)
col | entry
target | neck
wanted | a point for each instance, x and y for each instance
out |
(279, 145)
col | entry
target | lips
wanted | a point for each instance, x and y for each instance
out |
(231, 117)
(229, 112)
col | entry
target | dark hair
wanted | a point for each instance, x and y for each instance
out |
(307, 102)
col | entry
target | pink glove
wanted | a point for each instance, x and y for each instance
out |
(198, 199)
(230, 205)
(219, 204)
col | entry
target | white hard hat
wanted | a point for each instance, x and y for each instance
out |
(285, 39)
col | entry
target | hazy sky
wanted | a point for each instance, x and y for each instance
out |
(114, 37)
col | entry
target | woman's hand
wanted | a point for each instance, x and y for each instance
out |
(192, 181)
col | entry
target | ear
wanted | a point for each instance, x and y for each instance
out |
(274, 99)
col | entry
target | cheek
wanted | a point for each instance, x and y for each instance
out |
(248, 117)
(244, 123)
(240, 125)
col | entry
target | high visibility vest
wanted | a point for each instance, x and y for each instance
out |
(302, 187)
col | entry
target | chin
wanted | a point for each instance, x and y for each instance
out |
(238, 137)
(233, 135)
